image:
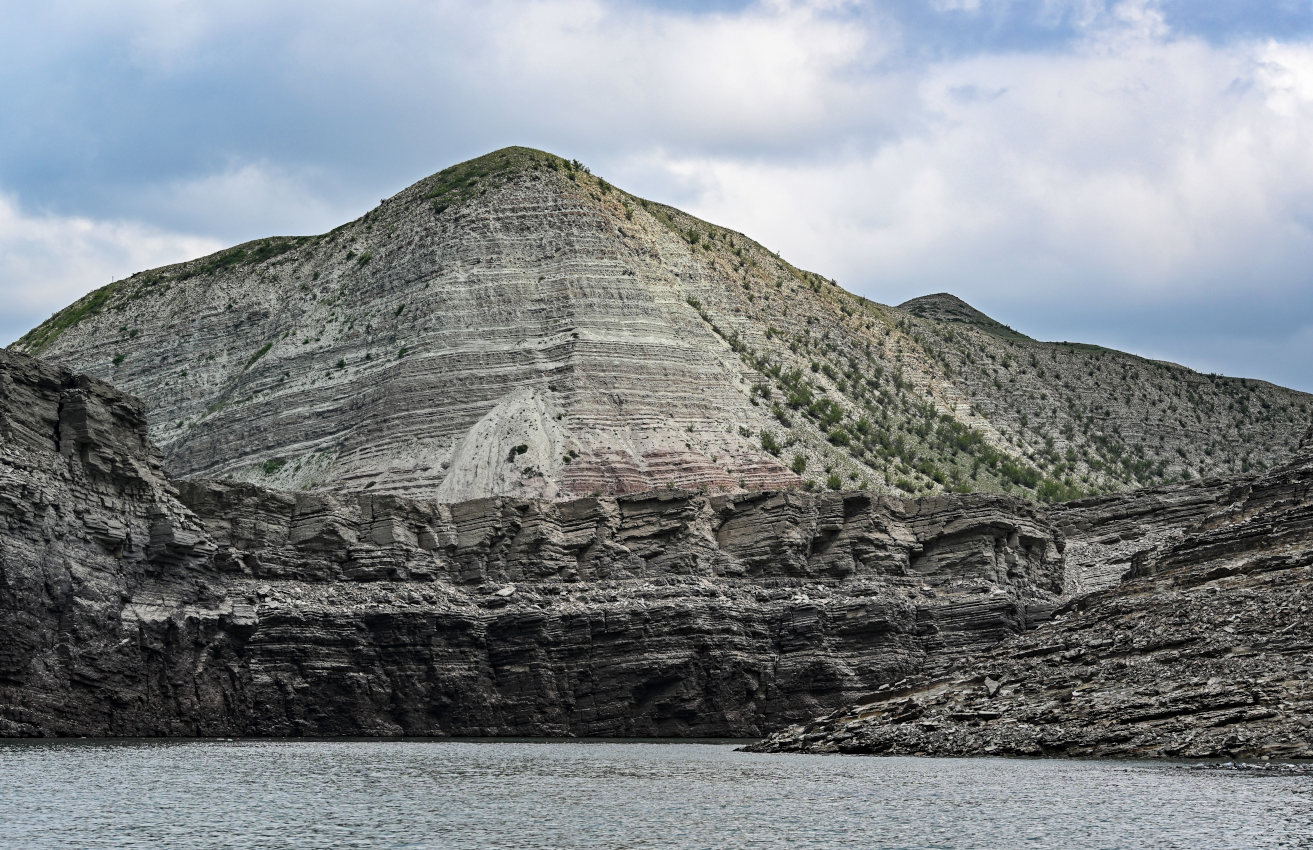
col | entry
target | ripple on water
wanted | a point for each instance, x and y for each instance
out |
(442, 794)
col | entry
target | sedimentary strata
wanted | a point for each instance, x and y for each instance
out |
(1205, 651)
(131, 605)
(515, 326)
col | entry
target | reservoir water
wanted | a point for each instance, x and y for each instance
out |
(449, 795)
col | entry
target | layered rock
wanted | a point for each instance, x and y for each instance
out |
(1106, 534)
(516, 326)
(102, 569)
(131, 606)
(1204, 652)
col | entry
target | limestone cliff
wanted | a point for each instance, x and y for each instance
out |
(516, 326)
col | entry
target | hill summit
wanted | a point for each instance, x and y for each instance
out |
(515, 325)
(945, 307)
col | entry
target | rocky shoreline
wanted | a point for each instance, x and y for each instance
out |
(1205, 652)
(131, 604)
(134, 605)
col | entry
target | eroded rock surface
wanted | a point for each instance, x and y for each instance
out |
(515, 326)
(133, 606)
(1204, 652)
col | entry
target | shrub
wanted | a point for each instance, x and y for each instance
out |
(799, 464)
(834, 482)
(839, 437)
(770, 443)
(262, 351)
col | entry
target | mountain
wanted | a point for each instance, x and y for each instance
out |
(515, 325)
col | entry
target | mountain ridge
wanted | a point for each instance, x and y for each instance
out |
(515, 325)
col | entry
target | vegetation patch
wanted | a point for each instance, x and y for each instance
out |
(455, 186)
(248, 254)
(262, 351)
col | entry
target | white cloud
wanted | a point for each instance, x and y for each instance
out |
(1117, 162)
(49, 261)
(250, 199)
(1162, 169)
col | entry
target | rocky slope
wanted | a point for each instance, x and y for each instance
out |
(516, 326)
(1205, 652)
(133, 606)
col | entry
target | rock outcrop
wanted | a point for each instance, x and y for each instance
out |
(515, 326)
(1204, 652)
(133, 606)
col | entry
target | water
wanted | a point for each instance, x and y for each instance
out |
(449, 795)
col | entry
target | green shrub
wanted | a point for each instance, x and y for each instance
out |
(839, 437)
(262, 351)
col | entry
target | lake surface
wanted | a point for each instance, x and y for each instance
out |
(443, 794)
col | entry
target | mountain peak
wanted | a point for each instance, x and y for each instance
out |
(457, 184)
(946, 307)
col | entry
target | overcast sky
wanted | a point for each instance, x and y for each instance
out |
(1135, 173)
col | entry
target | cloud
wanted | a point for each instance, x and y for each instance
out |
(49, 261)
(1152, 171)
(1043, 158)
(245, 200)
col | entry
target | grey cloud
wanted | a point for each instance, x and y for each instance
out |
(1047, 156)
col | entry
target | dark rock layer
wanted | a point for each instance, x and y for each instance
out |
(1205, 652)
(131, 605)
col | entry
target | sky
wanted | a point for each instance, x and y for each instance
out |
(1133, 173)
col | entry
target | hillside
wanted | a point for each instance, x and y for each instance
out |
(516, 325)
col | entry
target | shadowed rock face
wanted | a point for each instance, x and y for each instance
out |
(133, 606)
(1205, 651)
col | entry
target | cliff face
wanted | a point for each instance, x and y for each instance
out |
(1204, 652)
(129, 606)
(516, 326)
(95, 550)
